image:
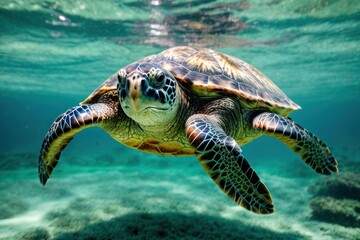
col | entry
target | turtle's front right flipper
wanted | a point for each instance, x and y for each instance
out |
(221, 158)
(63, 130)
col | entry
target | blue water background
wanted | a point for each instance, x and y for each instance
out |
(53, 54)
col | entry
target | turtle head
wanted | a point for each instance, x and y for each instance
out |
(148, 93)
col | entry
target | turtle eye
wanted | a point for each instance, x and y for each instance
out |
(156, 77)
(121, 77)
(159, 79)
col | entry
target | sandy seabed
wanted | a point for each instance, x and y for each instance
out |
(151, 197)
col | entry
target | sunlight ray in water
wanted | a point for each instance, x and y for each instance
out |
(78, 36)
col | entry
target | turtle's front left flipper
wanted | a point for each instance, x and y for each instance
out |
(304, 143)
(221, 158)
(63, 130)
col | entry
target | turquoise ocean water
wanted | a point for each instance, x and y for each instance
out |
(53, 54)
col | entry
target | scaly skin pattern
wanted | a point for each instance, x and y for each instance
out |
(187, 101)
(221, 158)
(62, 131)
(310, 148)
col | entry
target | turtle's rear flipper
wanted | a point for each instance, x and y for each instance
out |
(222, 160)
(309, 147)
(63, 130)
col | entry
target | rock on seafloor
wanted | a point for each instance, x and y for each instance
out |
(344, 212)
(336, 199)
(345, 185)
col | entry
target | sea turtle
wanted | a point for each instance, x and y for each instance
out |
(192, 101)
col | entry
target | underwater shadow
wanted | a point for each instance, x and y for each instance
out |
(174, 226)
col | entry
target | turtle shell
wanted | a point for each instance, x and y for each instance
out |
(209, 73)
